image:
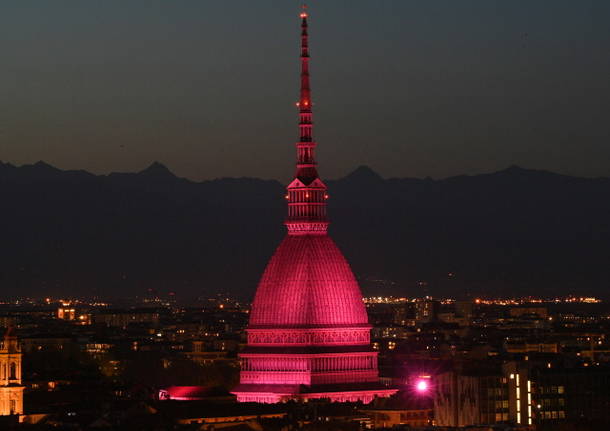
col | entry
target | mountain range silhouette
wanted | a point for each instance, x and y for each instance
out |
(516, 231)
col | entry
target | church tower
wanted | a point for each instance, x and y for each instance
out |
(11, 391)
(308, 334)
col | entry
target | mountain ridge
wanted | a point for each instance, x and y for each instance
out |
(361, 171)
(515, 230)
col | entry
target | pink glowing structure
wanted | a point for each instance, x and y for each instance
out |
(308, 335)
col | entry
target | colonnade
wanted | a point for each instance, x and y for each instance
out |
(313, 364)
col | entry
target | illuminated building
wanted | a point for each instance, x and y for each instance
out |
(426, 310)
(66, 313)
(549, 394)
(308, 334)
(11, 391)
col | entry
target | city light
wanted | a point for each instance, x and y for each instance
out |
(422, 386)
(570, 299)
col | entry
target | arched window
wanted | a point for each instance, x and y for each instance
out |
(13, 372)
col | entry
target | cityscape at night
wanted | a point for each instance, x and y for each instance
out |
(263, 284)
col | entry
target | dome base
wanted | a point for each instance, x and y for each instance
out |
(364, 393)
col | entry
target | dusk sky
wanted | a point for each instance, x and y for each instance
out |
(410, 88)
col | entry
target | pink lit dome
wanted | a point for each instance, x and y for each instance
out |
(308, 283)
(308, 335)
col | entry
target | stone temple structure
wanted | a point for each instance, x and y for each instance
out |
(308, 335)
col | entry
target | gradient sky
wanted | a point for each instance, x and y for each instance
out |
(207, 87)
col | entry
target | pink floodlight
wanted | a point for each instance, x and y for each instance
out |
(422, 386)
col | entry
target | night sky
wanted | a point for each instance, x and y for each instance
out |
(207, 87)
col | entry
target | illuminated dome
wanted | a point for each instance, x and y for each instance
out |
(308, 283)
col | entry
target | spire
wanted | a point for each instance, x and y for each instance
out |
(306, 165)
(307, 193)
(305, 99)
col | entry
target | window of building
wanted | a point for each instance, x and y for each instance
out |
(501, 417)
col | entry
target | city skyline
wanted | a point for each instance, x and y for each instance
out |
(411, 89)
(470, 302)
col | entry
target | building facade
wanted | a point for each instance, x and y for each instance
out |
(482, 393)
(308, 334)
(11, 390)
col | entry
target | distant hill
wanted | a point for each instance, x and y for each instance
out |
(513, 231)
